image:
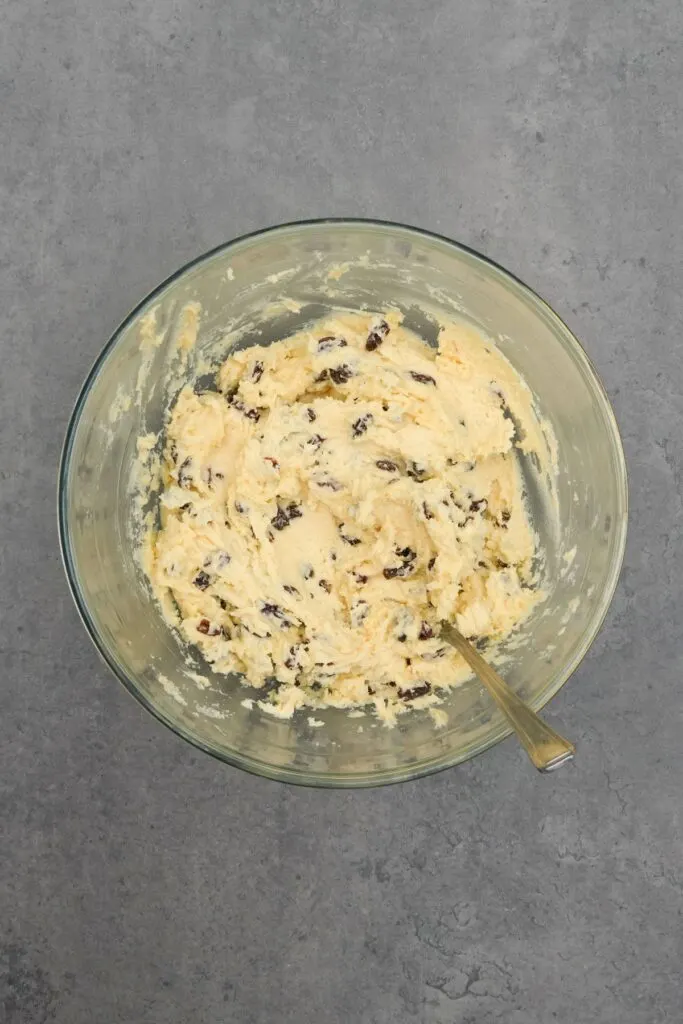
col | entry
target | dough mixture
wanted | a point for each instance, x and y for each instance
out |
(338, 495)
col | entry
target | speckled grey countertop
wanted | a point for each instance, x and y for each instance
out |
(142, 882)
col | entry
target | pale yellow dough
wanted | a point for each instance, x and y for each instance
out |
(335, 499)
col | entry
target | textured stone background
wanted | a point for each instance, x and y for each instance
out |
(142, 883)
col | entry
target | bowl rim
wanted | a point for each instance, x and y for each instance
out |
(386, 776)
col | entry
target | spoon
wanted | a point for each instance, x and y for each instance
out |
(546, 748)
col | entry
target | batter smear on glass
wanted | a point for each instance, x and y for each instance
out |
(342, 492)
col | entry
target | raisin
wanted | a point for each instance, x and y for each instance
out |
(330, 342)
(432, 562)
(173, 452)
(308, 572)
(361, 424)
(415, 691)
(207, 628)
(326, 585)
(311, 415)
(202, 580)
(377, 336)
(274, 463)
(271, 609)
(506, 515)
(184, 476)
(222, 559)
(280, 519)
(333, 485)
(476, 505)
(426, 632)
(353, 541)
(315, 441)
(257, 372)
(186, 506)
(422, 378)
(222, 603)
(341, 374)
(370, 690)
(323, 375)
(290, 589)
(400, 570)
(406, 553)
(435, 655)
(416, 472)
(500, 564)
(387, 466)
(283, 517)
(427, 511)
(360, 578)
(237, 403)
(239, 507)
(402, 638)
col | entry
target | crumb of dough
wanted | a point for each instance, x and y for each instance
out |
(339, 494)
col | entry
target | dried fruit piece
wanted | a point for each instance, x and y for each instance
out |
(280, 519)
(202, 580)
(326, 585)
(422, 378)
(257, 372)
(361, 424)
(353, 541)
(208, 629)
(341, 374)
(185, 478)
(377, 336)
(284, 516)
(401, 570)
(416, 691)
(416, 472)
(387, 466)
(426, 632)
(330, 342)
(311, 414)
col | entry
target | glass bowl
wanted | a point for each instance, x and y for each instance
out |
(265, 286)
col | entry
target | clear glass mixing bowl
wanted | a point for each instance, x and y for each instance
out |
(268, 284)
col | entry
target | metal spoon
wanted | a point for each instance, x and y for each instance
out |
(546, 748)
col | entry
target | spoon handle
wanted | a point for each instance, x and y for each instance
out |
(546, 748)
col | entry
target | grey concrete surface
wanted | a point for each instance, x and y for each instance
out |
(143, 883)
